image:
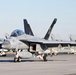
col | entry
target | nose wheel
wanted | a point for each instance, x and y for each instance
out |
(17, 58)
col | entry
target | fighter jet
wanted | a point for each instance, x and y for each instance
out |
(73, 38)
(3, 51)
(21, 42)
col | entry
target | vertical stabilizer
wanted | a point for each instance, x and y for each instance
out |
(50, 29)
(27, 28)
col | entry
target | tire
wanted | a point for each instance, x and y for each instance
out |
(4, 55)
(18, 59)
(15, 59)
(44, 57)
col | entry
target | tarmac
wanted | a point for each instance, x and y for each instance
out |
(62, 64)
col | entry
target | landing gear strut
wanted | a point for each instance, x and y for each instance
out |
(17, 58)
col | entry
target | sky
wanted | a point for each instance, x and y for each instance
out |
(39, 14)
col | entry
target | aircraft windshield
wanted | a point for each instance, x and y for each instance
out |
(16, 33)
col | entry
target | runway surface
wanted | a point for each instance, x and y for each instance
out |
(62, 64)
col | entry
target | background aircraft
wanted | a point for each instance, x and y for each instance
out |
(56, 37)
(68, 49)
(3, 51)
(72, 37)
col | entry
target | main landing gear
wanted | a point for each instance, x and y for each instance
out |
(42, 57)
(17, 59)
(25, 54)
(45, 57)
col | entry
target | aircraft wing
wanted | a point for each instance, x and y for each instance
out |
(28, 38)
(36, 40)
(57, 43)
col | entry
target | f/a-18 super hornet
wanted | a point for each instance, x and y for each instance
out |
(22, 42)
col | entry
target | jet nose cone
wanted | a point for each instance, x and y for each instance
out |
(5, 44)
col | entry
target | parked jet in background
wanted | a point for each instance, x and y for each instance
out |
(72, 37)
(64, 49)
(2, 51)
(56, 37)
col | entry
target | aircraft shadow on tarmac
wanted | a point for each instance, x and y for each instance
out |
(30, 60)
(21, 61)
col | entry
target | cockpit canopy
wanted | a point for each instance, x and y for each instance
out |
(16, 33)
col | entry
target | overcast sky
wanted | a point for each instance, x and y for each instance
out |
(40, 14)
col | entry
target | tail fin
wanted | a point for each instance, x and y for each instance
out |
(50, 29)
(56, 37)
(27, 28)
(72, 37)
